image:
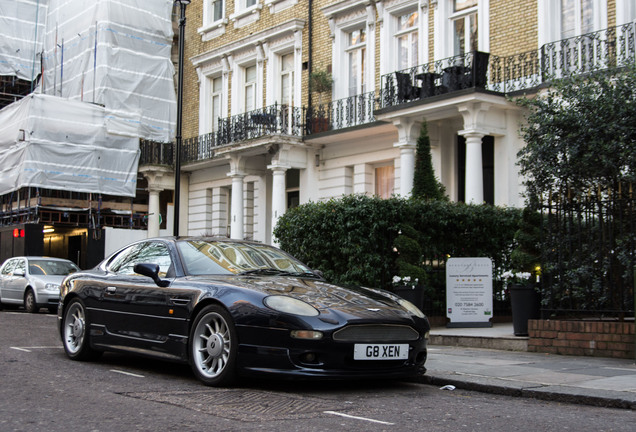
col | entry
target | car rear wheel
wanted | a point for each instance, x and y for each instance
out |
(30, 304)
(75, 333)
(213, 346)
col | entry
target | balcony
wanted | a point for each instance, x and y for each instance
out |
(272, 120)
(605, 49)
(156, 153)
(342, 113)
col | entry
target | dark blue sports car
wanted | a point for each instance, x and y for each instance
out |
(237, 308)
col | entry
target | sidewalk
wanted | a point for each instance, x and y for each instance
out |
(495, 361)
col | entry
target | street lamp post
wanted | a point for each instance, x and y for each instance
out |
(177, 150)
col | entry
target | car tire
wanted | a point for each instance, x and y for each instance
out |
(30, 304)
(75, 332)
(213, 346)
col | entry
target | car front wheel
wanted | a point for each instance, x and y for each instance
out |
(213, 346)
(75, 332)
(30, 305)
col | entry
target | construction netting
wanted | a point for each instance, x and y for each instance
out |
(107, 79)
(70, 145)
(114, 53)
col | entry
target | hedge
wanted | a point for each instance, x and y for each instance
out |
(352, 239)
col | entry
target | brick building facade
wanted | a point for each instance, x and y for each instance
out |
(257, 141)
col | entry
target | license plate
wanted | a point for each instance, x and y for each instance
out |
(381, 351)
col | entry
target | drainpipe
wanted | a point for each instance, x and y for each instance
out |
(310, 49)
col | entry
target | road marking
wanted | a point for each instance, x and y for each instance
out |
(357, 418)
(28, 349)
(127, 373)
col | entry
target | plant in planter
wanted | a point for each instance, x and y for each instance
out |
(320, 81)
(524, 294)
(411, 276)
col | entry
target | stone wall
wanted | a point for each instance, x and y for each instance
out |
(582, 338)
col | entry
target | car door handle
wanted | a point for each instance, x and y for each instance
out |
(111, 289)
(179, 300)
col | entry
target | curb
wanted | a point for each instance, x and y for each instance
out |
(592, 397)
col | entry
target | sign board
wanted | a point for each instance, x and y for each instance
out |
(469, 292)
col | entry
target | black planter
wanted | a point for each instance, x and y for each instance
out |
(526, 304)
(414, 295)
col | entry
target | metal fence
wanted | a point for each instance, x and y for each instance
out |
(589, 252)
(274, 119)
(342, 113)
(156, 153)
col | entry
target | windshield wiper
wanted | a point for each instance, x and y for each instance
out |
(263, 271)
(277, 272)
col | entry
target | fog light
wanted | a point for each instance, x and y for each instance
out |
(308, 358)
(306, 334)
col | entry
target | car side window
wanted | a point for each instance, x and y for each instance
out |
(150, 252)
(8, 267)
(20, 267)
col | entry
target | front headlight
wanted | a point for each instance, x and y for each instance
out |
(411, 308)
(52, 287)
(290, 305)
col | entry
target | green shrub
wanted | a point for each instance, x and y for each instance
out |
(352, 239)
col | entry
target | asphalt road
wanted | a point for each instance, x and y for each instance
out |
(42, 390)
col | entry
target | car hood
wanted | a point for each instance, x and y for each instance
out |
(331, 300)
(54, 279)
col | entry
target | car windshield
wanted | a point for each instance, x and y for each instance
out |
(204, 257)
(51, 267)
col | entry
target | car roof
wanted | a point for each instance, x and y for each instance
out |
(34, 257)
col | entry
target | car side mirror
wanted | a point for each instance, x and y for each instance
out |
(152, 271)
(319, 273)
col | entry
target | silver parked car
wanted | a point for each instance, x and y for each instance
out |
(33, 281)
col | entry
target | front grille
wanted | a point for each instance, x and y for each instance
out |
(376, 333)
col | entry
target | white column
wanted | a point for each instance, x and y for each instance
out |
(408, 133)
(407, 169)
(279, 204)
(474, 169)
(153, 212)
(236, 222)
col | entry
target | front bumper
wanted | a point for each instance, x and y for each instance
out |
(282, 356)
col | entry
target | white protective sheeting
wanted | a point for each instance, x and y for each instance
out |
(115, 53)
(22, 25)
(66, 145)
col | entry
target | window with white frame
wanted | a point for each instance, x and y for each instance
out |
(213, 20)
(217, 99)
(249, 89)
(465, 31)
(287, 79)
(406, 36)
(216, 10)
(577, 17)
(355, 54)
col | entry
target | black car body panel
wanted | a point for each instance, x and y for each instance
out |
(132, 313)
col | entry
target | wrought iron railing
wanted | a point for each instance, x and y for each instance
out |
(589, 252)
(612, 47)
(435, 78)
(156, 153)
(589, 52)
(198, 148)
(342, 113)
(274, 119)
